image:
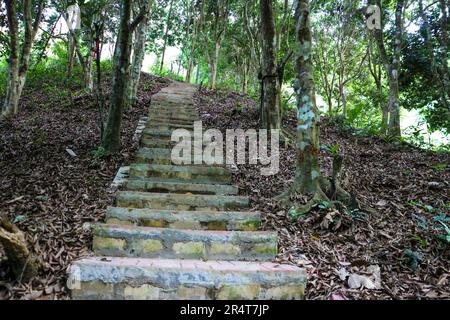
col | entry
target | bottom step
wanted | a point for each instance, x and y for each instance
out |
(158, 279)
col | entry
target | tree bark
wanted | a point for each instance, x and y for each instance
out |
(307, 171)
(23, 264)
(270, 105)
(19, 58)
(166, 34)
(392, 68)
(137, 60)
(121, 73)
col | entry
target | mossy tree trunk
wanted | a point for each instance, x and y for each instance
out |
(271, 114)
(392, 67)
(20, 54)
(121, 73)
(308, 172)
(140, 38)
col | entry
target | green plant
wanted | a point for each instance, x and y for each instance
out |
(99, 153)
(333, 150)
(413, 258)
(40, 137)
(440, 167)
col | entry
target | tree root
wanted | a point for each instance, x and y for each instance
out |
(23, 264)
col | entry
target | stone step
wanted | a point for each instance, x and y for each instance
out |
(167, 124)
(164, 156)
(172, 201)
(193, 174)
(145, 242)
(174, 117)
(193, 220)
(173, 100)
(165, 119)
(163, 186)
(100, 278)
(161, 134)
(172, 108)
(157, 143)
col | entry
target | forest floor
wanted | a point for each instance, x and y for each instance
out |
(388, 252)
(53, 197)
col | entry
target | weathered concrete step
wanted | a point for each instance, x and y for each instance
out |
(172, 201)
(165, 119)
(192, 220)
(167, 124)
(174, 117)
(158, 279)
(161, 134)
(180, 99)
(193, 174)
(161, 186)
(157, 143)
(164, 156)
(170, 112)
(173, 107)
(161, 143)
(145, 242)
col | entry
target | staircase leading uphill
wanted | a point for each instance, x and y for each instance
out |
(181, 232)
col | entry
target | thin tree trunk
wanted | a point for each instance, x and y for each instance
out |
(307, 171)
(121, 73)
(214, 60)
(137, 60)
(392, 68)
(270, 104)
(169, 16)
(19, 63)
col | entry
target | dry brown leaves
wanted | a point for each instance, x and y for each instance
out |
(51, 195)
(387, 178)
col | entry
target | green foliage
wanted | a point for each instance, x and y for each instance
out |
(154, 69)
(40, 137)
(3, 77)
(413, 258)
(440, 167)
(98, 154)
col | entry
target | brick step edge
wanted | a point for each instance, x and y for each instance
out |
(144, 242)
(103, 278)
(192, 220)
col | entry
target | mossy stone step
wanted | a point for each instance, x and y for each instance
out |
(173, 279)
(173, 117)
(164, 156)
(162, 186)
(192, 220)
(167, 119)
(193, 174)
(167, 124)
(145, 242)
(172, 201)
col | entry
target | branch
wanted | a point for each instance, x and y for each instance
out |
(141, 16)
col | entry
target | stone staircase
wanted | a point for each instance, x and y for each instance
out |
(181, 232)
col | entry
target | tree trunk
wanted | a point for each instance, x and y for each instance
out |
(111, 140)
(169, 16)
(19, 63)
(307, 171)
(214, 60)
(392, 68)
(137, 61)
(88, 76)
(394, 102)
(23, 264)
(271, 91)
